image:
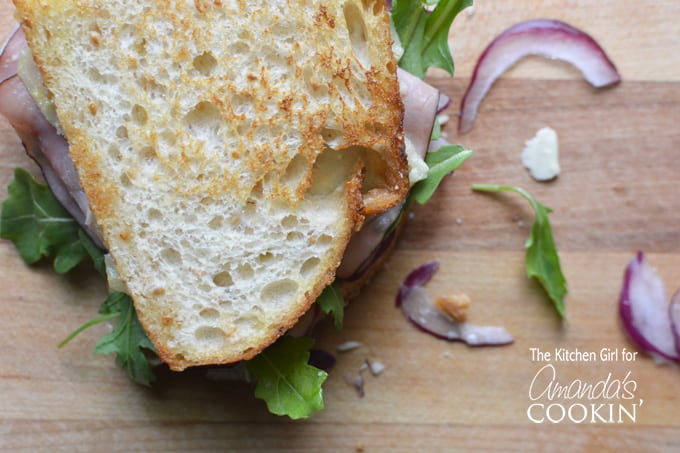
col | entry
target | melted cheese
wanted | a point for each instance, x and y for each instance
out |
(30, 75)
(417, 167)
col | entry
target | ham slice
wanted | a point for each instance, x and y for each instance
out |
(40, 139)
(421, 102)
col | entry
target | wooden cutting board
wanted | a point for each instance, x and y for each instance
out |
(617, 194)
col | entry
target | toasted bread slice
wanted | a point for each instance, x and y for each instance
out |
(228, 150)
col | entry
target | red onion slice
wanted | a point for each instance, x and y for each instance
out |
(644, 310)
(418, 277)
(322, 359)
(542, 37)
(418, 308)
(443, 103)
(674, 313)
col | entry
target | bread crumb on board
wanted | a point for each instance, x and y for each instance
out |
(454, 306)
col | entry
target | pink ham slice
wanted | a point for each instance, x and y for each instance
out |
(41, 140)
(421, 103)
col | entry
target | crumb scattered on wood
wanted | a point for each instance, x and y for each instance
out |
(455, 306)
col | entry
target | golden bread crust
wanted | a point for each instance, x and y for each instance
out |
(199, 132)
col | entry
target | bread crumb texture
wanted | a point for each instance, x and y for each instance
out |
(228, 150)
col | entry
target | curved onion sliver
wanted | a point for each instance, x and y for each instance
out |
(644, 310)
(543, 37)
(421, 311)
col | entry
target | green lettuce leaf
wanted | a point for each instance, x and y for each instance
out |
(424, 34)
(542, 260)
(34, 220)
(436, 129)
(127, 340)
(332, 302)
(409, 19)
(436, 51)
(95, 253)
(285, 381)
(441, 162)
(87, 325)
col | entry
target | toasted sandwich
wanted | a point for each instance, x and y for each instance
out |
(233, 158)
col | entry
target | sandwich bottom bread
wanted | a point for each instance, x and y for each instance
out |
(229, 166)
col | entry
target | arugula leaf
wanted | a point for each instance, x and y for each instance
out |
(95, 253)
(436, 129)
(542, 260)
(409, 19)
(441, 162)
(87, 325)
(128, 339)
(332, 302)
(285, 381)
(40, 227)
(436, 51)
(424, 35)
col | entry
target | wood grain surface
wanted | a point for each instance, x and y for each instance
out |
(617, 194)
